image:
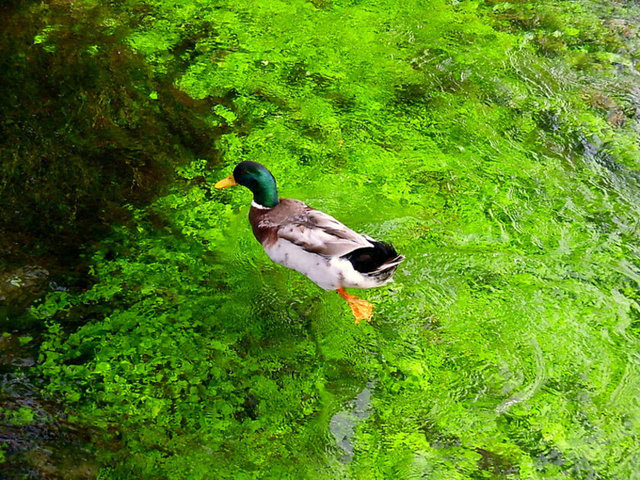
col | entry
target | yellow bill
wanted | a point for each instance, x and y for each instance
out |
(227, 182)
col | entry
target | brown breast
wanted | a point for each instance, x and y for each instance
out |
(266, 222)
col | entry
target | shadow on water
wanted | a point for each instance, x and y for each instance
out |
(86, 130)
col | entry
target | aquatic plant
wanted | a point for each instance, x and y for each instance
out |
(507, 347)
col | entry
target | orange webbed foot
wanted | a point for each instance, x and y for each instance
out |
(361, 309)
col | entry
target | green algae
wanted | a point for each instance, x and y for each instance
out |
(480, 138)
(81, 132)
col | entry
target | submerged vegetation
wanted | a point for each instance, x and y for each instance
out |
(494, 143)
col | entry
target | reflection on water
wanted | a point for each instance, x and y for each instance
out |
(343, 424)
(526, 393)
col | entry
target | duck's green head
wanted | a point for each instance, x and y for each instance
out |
(256, 178)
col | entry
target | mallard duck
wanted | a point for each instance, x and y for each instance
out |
(313, 243)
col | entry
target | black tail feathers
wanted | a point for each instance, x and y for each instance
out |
(382, 256)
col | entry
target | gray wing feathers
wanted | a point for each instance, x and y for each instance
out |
(322, 234)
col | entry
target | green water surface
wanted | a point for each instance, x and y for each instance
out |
(494, 143)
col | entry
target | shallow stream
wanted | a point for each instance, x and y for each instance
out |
(147, 335)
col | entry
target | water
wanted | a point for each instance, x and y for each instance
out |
(342, 424)
(494, 143)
